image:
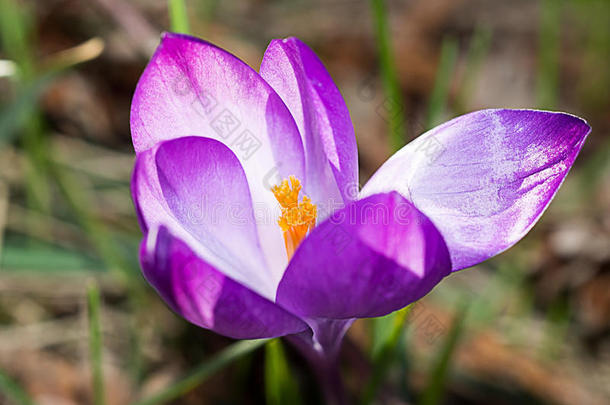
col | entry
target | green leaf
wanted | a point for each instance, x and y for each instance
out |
(95, 344)
(178, 16)
(393, 102)
(200, 374)
(433, 392)
(280, 387)
(13, 391)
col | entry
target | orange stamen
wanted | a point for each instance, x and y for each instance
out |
(298, 218)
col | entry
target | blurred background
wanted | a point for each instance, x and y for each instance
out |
(78, 324)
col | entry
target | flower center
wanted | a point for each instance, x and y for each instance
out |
(297, 218)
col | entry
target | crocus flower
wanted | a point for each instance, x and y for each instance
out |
(245, 185)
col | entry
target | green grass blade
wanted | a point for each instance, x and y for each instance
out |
(478, 50)
(45, 258)
(15, 35)
(385, 352)
(594, 169)
(591, 18)
(547, 85)
(381, 329)
(134, 359)
(106, 246)
(13, 391)
(23, 115)
(95, 344)
(433, 392)
(17, 40)
(178, 16)
(16, 114)
(280, 387)
(556, 328)
(394, 100)
(196, 377)
(442, 83)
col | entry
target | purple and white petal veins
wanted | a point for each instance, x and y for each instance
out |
(485, 178)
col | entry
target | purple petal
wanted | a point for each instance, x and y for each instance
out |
(370, 258)
(485, 178)
(197, 188)
(206, 297)
(191, 87)
(331, 156)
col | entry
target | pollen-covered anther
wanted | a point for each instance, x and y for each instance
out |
(298, 217)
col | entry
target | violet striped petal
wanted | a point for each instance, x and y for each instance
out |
(201, 294)
(331, 156)
(197, 188)
(485, 178)
(191, 87)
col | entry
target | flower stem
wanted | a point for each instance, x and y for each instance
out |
(329, 378)
(320, 346)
